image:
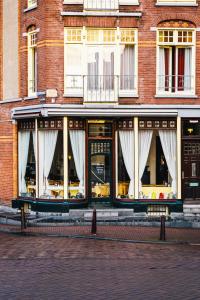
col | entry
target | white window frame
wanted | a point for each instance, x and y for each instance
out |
(100, 43)
(32, 63)
(31, 3)
(121, 2)
(178, 44)
(176, 3)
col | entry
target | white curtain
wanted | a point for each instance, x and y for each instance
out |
(23, 148)
(168, 142)
(77, 138)
(145, 137)
(47, 145)
(127, 72)
(34, 143)
(161, 69)
(187, 69)
(127, 145)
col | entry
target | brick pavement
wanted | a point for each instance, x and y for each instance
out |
(63, 268)
(135, 233)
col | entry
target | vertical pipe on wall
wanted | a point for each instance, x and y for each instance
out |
(65, 156)
(179, 157)
(36, 159)
(136, 162)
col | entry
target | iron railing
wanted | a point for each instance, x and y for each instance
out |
(175, 83)
(101, 4)
(100, 88)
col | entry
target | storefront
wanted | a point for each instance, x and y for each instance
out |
(121, 161)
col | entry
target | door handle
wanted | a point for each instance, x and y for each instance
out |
(183, 175)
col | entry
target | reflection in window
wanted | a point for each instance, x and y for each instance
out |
(76, 164)
(26, 163)
(100, 130)
(30, 176)
(157, 164)
(123, 178)
(51, 164)
(56, 175)
(191, 127)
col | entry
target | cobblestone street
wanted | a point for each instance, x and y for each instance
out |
(62, 268)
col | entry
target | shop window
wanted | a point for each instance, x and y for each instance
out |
(126, 164)
(123, 178)
(191, 127)
(100, 130)
(51, 164)
(157, 164)
(76, 164)
(27, 166)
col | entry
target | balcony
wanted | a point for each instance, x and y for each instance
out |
(101, 5)
(100, 88)
(176, 84)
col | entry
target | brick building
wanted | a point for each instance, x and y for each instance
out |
(100, 102)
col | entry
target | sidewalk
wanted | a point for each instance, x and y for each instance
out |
(115, 232)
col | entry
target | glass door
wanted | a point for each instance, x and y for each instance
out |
(100, 170)
(100, 74)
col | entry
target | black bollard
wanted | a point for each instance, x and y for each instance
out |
(94, 222)
(162, 228)
(22, 218)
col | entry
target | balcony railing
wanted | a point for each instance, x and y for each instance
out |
(101, 4)
(175, 84)
(100, 88)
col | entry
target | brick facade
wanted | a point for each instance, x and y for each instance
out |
(47, 18)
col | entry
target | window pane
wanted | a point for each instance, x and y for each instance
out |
(103, 130)
(127, 67)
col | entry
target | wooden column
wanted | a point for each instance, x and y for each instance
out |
(15, 159)
(116, 163)
(65, 156)
(179, 157)
(36, 159)
(136, 162)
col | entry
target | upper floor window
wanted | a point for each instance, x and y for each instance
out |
(100, 65)
(105, 5)
(32, 3)
(32, 62)
(176, 61)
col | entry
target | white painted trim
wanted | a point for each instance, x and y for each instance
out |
(174, 95)
(65, 156)
(105, 110)
(136, 157)
(65, 2)
(36, 159)
(10, 100)
(30, 8)
(101, 14)
(116, 163)
(178, 157)
(176, 3)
